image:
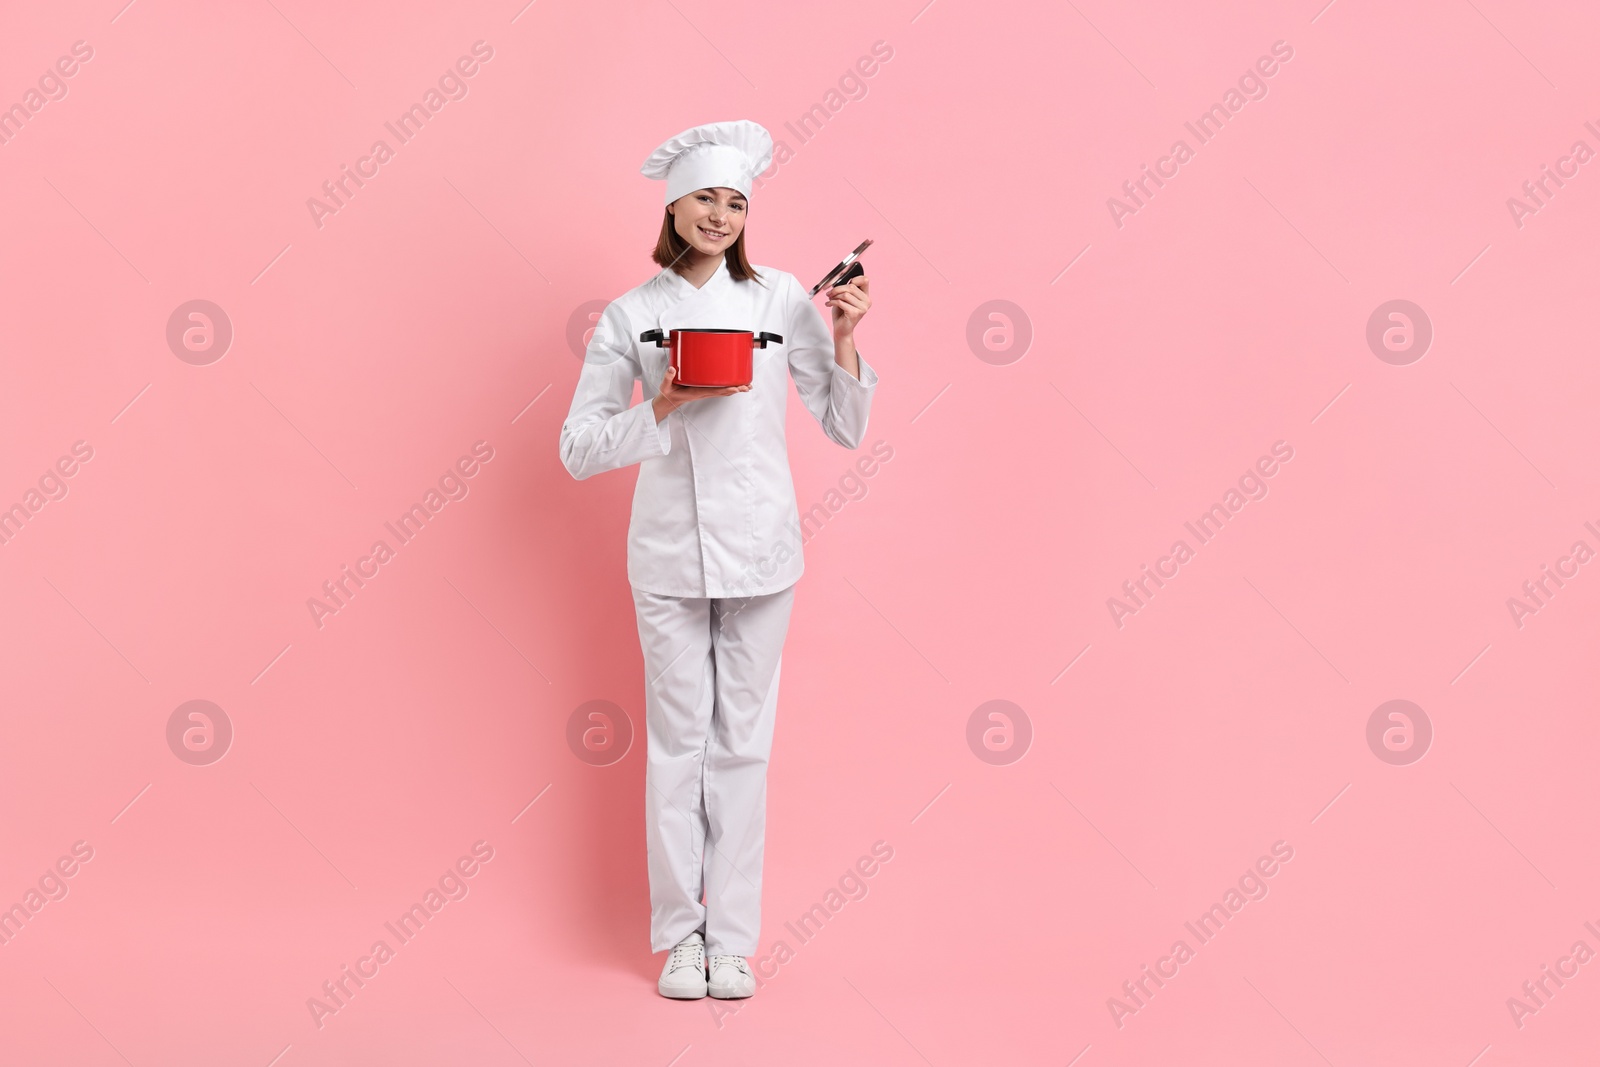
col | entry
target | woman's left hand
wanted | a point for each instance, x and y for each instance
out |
(849, 303)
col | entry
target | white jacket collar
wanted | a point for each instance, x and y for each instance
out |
(679, 287)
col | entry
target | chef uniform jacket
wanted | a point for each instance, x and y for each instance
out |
(714, 512)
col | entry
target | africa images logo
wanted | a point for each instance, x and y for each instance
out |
(452, 885)
(1252, 485)
(452, 85)
(1251, 886)
(1252, 85)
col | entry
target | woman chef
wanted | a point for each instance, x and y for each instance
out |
(713, 542)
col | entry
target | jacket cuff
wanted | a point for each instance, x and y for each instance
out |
(656, 432)
(868, 379)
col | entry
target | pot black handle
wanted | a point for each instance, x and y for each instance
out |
(763, 338)
(654, 335)
(856, 270)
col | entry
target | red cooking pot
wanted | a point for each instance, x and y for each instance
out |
(711, 358)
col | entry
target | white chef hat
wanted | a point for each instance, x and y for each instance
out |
(716, 155)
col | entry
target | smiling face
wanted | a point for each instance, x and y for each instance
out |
(710, 220)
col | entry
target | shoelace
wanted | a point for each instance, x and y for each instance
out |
(733, 961)
(687, 954)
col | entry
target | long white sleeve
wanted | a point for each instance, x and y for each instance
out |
(602, 432)
(837, 399)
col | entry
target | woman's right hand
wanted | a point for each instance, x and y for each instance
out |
(672, 396)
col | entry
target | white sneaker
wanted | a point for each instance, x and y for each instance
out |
(684, 976)
(731, 978)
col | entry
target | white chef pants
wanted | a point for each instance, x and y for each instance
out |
(711, 694)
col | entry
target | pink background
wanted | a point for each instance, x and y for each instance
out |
(1228, 313)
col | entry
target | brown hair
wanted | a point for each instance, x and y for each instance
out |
(671, 248)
